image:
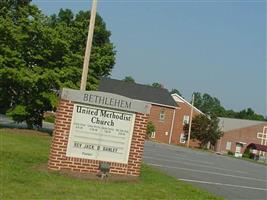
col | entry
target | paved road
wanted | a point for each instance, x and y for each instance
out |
(228, 177)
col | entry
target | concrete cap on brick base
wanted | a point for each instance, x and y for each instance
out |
(107, 100)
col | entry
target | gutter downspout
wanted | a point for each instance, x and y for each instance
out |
(173, 117)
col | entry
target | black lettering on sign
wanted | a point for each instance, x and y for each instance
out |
(96, 120)
(102, 100)
(77, 145)
(85, 97)
(110, 149)
(88, 146)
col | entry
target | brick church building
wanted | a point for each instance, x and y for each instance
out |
(182, 117)
(168, 113)
(239, 133)
(163, 106)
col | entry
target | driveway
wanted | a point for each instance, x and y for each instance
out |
(221, 175)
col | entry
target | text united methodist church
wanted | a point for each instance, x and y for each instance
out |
(99, 114)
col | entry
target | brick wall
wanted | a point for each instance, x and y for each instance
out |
(184, 109)
(59, 161)
(162, 126)
(246, 135)
(165, 126)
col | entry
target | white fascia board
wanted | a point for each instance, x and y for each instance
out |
(183, 100)
(158, 104)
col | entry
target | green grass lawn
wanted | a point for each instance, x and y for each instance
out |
(22, 151)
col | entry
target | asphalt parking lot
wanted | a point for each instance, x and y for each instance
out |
(221, 175)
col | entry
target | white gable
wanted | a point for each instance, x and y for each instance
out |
(179, 99)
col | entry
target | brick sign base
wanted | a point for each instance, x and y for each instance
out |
(59, 161)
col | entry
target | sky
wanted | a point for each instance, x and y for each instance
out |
(214, 47)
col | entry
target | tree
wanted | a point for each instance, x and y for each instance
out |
(250, 114)
(175, 91)
(75, 32)
(212, 106)
(205, 130)
(207, 104)
(129, 79)
(65, 16)
(150, 128)
(157, 85)
(24, 82)
(39, 55)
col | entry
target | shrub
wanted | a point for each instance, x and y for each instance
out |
(230, 153)
(247, 154)
(50, 118)
(150, 128)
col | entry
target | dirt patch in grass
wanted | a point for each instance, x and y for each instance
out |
(90, 176)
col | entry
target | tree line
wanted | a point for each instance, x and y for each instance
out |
(212, 106)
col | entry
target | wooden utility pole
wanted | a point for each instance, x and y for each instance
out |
(190, 122)
(88, 46)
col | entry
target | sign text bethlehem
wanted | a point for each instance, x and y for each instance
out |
(100, 133)
(104, 101)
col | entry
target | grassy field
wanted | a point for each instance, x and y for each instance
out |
(23, 151)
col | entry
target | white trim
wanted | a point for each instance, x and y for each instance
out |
(158, 104)
(177, 99)
(162, 115)
(243, 143)
(173, 117)
(228, 145)
(153, 134)
(182, 135)
(185, 117)
(178, 96)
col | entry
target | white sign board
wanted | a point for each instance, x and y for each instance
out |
(100, 134)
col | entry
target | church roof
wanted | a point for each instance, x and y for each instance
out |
(228, 124)
(136, 91)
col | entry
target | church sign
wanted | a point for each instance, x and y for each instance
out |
(93, 127)
(100, 133)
